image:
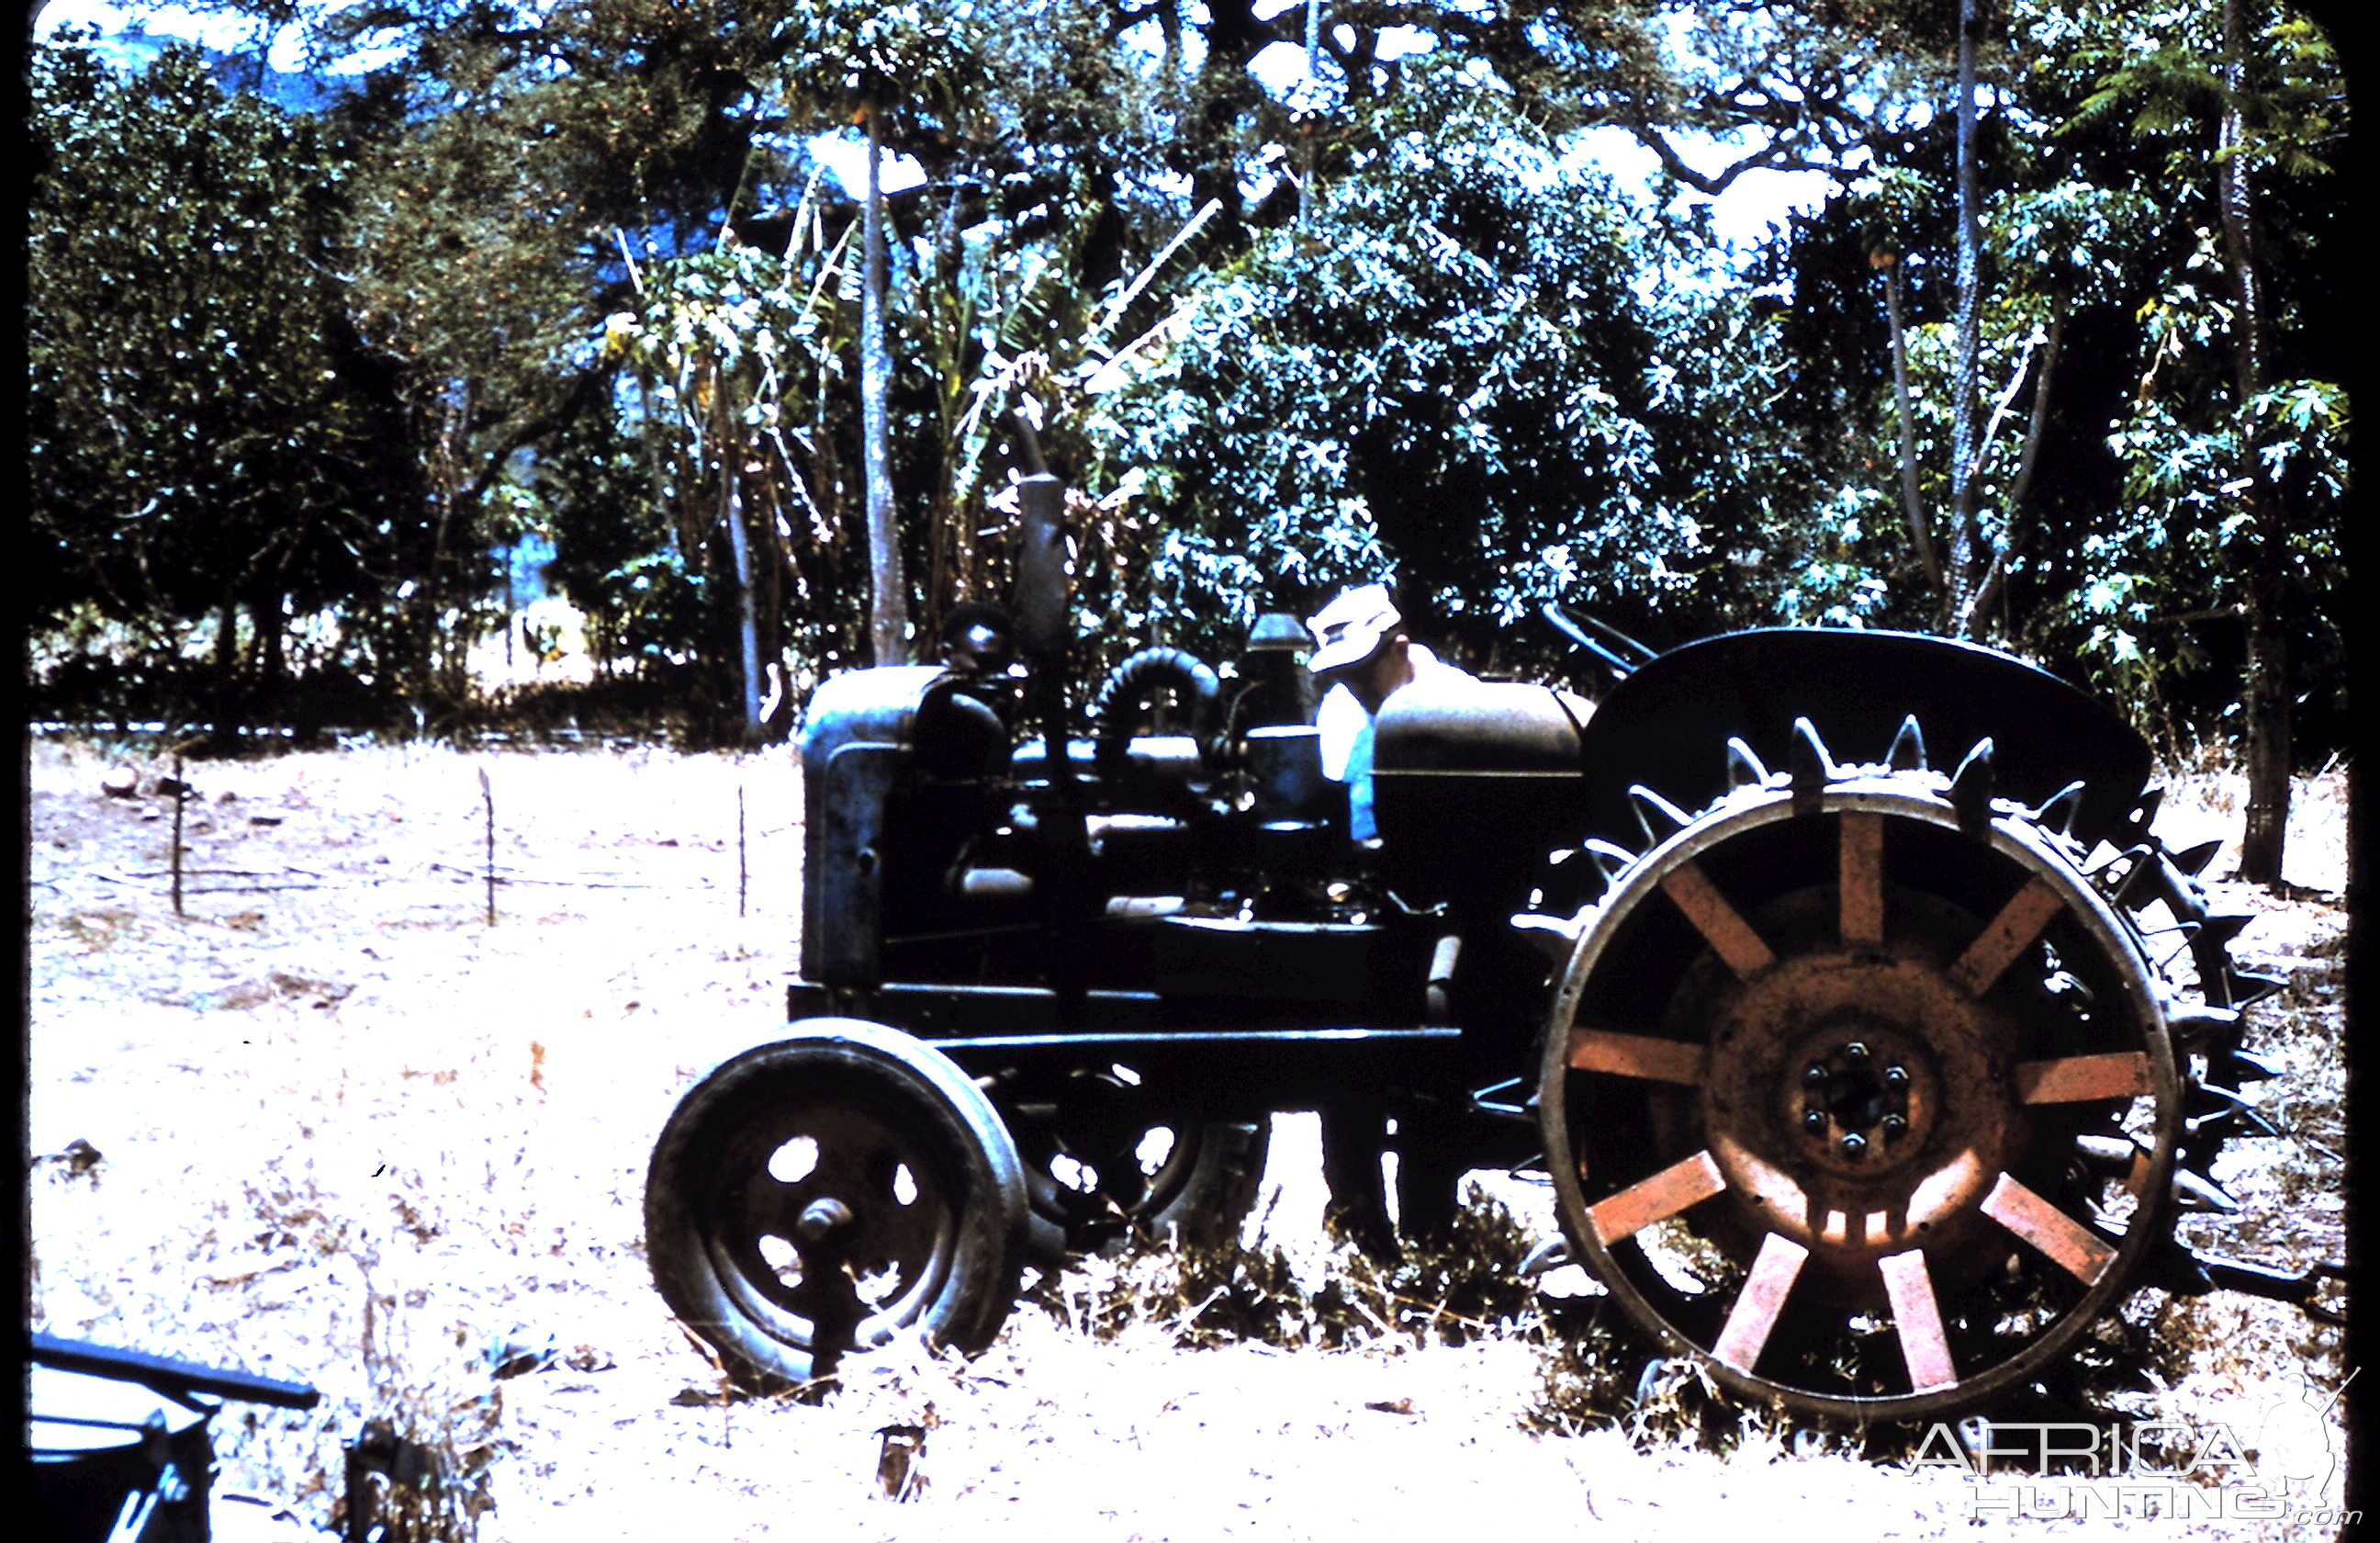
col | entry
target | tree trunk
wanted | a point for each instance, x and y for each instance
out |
(1993, 589)
(888, 620)
(748, 615)
(226, 681)
(1966, 565)
(1920, 535)
(2266, 706)
(272, 694)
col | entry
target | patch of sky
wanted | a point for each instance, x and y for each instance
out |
(844, 155)
(131, 36)
(525, 565)
(1147, 37)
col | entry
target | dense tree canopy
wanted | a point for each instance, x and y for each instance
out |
(583, 270)
(1440, 369)
(209, 436)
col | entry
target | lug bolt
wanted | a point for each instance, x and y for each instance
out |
(1813, 1074)
(1854, 1145)
(1894, 1124)
(1856, 1052)
(1814, 1120)
(1896, 1077)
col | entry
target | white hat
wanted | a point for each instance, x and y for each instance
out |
(1348, 629)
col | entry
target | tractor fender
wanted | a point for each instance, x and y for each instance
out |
(1666, 725)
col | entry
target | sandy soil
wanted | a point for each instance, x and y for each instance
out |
(341, 1128)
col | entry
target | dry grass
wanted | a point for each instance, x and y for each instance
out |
(348, 1131)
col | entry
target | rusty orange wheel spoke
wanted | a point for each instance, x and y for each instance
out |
(1917, 1319)
(1860, 873)
(1731, 936)
(2085, 1079)
(2070, 1246)
(1755, 1315)
(1657, 1198)
(2006, 936)
(1635, 1055)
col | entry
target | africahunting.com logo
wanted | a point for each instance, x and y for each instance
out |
(2285, 1464)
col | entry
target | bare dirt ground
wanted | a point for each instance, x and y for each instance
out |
(336, 1125)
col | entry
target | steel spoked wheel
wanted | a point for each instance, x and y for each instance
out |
(813, 1199)
(1822, 1082)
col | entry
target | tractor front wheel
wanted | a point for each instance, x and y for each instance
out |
(814, 1198)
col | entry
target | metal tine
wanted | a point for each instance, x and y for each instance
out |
(1971, 787)
(2224, 926)
(2220, 1123)
(1743, 767)
(2197, 1192)
(1549, 1256)
(2193, 860)
(2061, 807)
(1659, 818)
(1908, 752)
(1610, 858)
(1811, 765)
(2194, 1024)
(2119, 1156)
(2251, 987)
(2229, 1107)
(2145, 813)
(2246, 1067)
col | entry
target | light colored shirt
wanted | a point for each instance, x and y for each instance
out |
(1346, 729)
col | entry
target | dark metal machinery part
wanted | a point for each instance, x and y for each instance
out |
(118, 1441)
(1102, 1169)
(1112, 708)
(1824, 1072)
(1861, 1090)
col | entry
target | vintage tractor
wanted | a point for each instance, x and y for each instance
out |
(1867, 1077)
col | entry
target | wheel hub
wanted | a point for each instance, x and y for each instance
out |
(1864, 1098)
(1855, 1113)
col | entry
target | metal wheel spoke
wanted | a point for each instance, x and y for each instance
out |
(1917, 1318)
(1635, 1055)
(1731, 936)
(2006, 936)
(1757, 1306)
(2085, 1079)
(1664, 1195)
(2070, 1246)
(1859, 872)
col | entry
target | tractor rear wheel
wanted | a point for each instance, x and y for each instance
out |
(1831, 1079)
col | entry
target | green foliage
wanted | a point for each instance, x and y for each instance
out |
(2110, 325)
(736, 354)
(2157, 75)
(1443, 371)
(203, 430)
(1394, 325)
(881, 55)
(2172, 565)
